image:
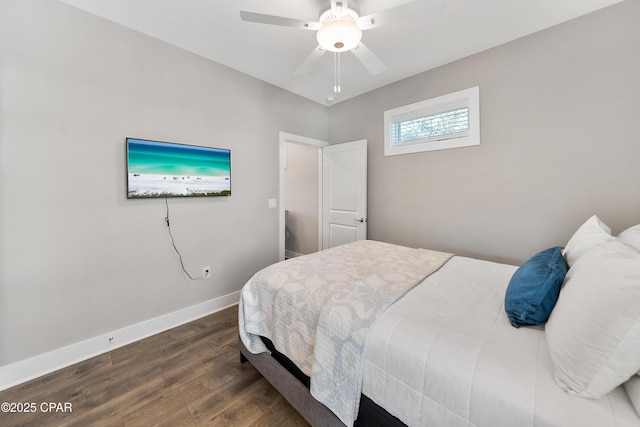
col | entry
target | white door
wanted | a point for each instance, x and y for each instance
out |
(344, 193)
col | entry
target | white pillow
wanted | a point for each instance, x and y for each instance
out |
(590, 234)
(631, 236)
(594, 330)
(632, 388)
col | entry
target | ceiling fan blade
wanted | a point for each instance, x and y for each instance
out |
(261, 18)
(368, 59)
(411, 9)
(309, 62)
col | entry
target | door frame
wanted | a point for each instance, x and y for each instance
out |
(296, 139)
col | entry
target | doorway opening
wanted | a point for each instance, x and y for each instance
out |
(300, 211)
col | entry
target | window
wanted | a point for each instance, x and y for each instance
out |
(448, 121)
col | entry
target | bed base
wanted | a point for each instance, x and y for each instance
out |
(291, 388)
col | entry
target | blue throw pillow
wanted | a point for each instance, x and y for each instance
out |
(534, 288)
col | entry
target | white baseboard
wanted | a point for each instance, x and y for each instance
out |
(34, 367)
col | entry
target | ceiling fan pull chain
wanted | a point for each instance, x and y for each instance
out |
(336, 70)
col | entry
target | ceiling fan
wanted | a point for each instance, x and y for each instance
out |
(338, 29)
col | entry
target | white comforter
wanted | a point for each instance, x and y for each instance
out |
(318, 311)
(445, 355)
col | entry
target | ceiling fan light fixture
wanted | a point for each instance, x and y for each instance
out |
(339, 36)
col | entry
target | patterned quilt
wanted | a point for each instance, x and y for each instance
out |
(318, 310)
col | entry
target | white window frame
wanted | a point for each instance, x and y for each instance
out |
(469, 98)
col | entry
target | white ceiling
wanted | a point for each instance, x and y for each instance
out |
(429, 33)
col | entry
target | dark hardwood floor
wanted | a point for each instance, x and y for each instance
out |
(188, 376)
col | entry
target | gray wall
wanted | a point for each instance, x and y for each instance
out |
(77, 259)
(559, 142)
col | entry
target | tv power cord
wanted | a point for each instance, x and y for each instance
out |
(206, 273)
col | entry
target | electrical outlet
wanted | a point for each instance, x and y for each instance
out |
(206, 272)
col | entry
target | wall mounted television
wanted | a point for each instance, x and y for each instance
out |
(166, 169)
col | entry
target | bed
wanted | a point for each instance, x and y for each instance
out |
(375, 333)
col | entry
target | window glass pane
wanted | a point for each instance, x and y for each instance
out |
(444, 123)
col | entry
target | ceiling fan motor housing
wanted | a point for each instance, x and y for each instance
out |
(339, 31)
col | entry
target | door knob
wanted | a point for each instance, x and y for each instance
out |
(360, 220)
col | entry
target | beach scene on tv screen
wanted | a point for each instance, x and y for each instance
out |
(158, 169)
